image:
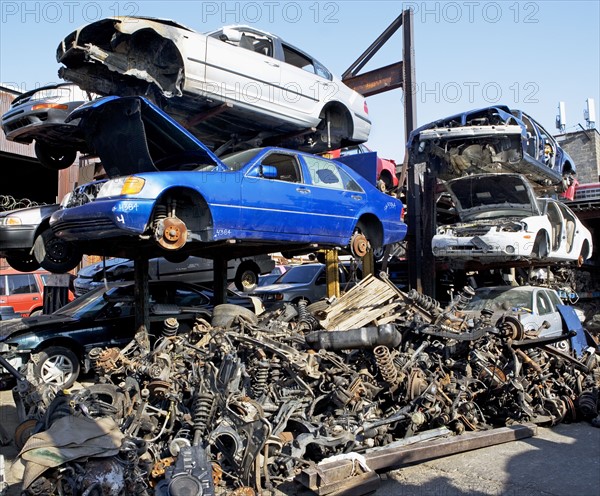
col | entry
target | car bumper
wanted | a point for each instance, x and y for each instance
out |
(102, 219)
(493, 246)
(16, 238)
(25, 125)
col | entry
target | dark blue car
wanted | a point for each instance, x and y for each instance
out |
(168, 190)
(492, 139)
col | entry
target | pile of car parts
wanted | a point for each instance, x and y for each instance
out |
(246, 405)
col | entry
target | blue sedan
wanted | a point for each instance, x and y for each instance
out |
(168, 190)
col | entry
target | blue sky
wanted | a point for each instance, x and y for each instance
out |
(469, 54)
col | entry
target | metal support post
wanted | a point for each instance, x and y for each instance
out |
(220, 280)
(142, 301)
(332, 273)
(368, 263)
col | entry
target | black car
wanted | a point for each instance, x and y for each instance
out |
(104, 317)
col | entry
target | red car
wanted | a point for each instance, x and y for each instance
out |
(386, 178)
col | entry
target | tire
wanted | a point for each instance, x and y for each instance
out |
(37, 312)
(23, 264)
(55, 254)
(564, 346)
(225, 314)
(57, 366)
(54, 158)
(540, 246)
(246, 277)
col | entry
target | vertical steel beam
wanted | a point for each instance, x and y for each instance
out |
(141, 296)
(414, 198)
(220, 280)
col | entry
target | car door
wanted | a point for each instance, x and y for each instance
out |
(545, 308)
(276, 207)
(22, 292)
(305, 87)
(240, 68)
(337, 199)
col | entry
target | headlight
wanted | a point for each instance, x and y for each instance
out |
(9, 220)
(130, 185)
(274, 297)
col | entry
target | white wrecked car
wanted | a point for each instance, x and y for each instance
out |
(502, 220)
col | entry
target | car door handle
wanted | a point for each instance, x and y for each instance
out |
(357, 197)
(304, 191)
(272, 64)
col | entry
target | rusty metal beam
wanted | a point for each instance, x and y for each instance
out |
(326, 477)
(377, 81)
(332, 273)
(367, 55)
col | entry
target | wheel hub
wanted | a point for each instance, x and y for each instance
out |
(359, 245)
(174, 233)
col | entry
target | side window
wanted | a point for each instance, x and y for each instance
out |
(21, 284)
(286, 165)
(543, 304)
(554, 300)
(2, 285)
(322, 71)
(328, 174)
(297, 59)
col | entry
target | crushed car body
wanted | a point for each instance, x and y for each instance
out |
(502, 220)
(492, 140)
(232, 85)
(169, 192)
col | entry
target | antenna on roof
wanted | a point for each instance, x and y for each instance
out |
(590, 113)
(561, 118)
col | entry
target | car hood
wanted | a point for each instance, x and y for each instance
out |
(131, 135)
(32, 215)
(481, 193)
(38, 323)
(276, 288)
(90, 271)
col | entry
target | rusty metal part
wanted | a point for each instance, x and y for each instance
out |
(23, 432)
(174, 233)
(359, 245)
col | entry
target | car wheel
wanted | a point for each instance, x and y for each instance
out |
(55, 254)
(57, 366)
(225, 314)
(54, 158)
(540, 246)
(37, 312)
(246, 277)
(23, 264)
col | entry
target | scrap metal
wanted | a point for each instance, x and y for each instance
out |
(252, 403)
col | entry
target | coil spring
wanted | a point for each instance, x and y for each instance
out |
(464, 297)
(306, 322)
(385, 364)
(202, 411)
(424, 301)
(160, 214)
(260, 379)
(275, 371)
(170, 327)
(570, 381)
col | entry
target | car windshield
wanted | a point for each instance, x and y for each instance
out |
(88, 305)
(499, 299)
(235, 161)
(299, 274)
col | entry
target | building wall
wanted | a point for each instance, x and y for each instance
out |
(584, 148)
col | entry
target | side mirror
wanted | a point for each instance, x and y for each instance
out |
(269, 171)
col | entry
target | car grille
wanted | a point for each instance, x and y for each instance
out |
(472, 231)
(18, 124)
(83, 225)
